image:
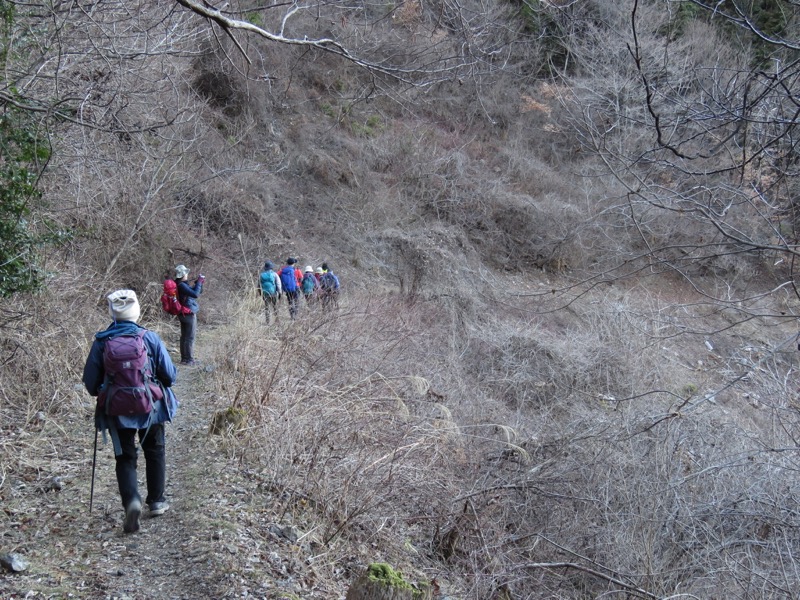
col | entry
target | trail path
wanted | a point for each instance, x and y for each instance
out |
(216, 541)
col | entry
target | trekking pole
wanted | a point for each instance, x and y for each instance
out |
(94, 463)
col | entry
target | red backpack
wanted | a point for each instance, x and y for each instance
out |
(130, 387)
(169, 299)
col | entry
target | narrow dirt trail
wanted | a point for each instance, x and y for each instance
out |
(172, 555)
(203, 547)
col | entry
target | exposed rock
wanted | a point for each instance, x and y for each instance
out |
(54, 484)
(13, 562)
(382, 582)
(227, 421)
(287, 532)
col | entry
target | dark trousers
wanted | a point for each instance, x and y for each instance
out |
(270, 305)
(330, 299)
(294, 301)
(188, 330)
(152, 441)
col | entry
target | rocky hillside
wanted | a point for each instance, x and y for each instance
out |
(563, 361)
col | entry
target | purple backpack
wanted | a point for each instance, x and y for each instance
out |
(129, 388)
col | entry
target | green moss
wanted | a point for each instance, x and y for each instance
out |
(227, 421)
(328, 110)
(371, 127)
(255, 19)
(282, 596)
(388, 576)
(385, 575)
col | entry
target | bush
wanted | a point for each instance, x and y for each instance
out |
(22, 155)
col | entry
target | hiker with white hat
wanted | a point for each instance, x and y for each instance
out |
(131, 373)
(309, 285)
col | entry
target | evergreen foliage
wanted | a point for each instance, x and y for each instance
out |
(22, 155)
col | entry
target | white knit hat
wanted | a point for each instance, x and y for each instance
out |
(181, 271)
(124, 306)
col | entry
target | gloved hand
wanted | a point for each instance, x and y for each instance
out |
(201, 278)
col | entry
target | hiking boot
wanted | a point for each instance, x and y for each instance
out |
(132, 512)
(189, 363)
(158, 508)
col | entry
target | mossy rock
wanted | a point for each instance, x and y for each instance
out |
(382, 582)
(227, 421)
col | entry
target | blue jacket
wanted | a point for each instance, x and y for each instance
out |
(188, 294)
(160, 363)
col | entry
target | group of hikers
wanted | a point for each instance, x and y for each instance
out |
(131, 373)
(318, 286)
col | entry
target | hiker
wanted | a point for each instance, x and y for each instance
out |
(298, 274)
(290, 286)
(271, 289)
(158, 373)
(309, 284)
(318, 272)
(329, 288)
(187, 296)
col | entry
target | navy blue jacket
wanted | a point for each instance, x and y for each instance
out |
(160, 363)
(188, 294)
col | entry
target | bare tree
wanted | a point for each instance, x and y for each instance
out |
(699, 140)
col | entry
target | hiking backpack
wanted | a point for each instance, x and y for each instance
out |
(288, 279)
(169, 299)
(268, 285)
(309, 283)
(129, 387)
(329, 282)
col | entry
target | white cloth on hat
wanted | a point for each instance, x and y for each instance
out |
(181, 271)
(124, 306)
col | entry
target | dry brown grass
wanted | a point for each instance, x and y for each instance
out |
(481, 408)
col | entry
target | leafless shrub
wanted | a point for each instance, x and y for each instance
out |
(41, 399)
(221, 90)
(341, 418)
(427, 264)
(558, 489)
(574, 455)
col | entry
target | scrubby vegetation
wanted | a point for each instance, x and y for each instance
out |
(563, 365)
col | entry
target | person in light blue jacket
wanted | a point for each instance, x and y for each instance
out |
(124, 309)
(271, 289)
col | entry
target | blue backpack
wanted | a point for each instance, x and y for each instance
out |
(329, 282)
(268, 286)
(309, 283)
(287, 279)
